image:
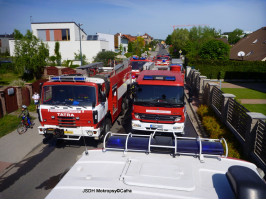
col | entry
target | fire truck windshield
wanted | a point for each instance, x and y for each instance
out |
(69, 95)
(137, 65)
(159, 95)
(162, 58)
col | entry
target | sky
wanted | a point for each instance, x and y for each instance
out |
(135, 17)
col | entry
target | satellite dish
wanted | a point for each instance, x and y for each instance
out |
(241, 53)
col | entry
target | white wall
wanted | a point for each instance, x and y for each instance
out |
(68, 48)
(108, 37)
(73, 28)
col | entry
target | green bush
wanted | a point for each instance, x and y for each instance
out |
(216, 130)
(228, 69)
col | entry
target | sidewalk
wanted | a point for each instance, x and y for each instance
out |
(14, 147)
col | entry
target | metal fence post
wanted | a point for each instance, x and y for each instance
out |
(209, 101)
(225, 106)
(251, 131)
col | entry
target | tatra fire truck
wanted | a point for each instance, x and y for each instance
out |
(140, 64)
(159, 102)
(84, 104)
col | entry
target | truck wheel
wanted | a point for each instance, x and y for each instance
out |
(124, 106)
(107, 128)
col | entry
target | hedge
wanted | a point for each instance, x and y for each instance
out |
(228, 69)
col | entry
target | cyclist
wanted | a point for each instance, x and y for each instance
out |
(25, 112)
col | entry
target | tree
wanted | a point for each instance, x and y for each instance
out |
(138, 45)
(215, 49)
(130, 47)
(105, 56)
(180, 38)
(57, 53)
(168, 40)
(235, 36)
(30, 55)
(84, 58)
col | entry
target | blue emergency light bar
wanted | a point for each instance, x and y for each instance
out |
(154, 77)
(179, 145)
(68, 78)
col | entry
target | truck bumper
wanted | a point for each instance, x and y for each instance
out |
(144, 126)
(68, 133)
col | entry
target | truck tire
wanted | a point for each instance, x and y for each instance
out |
(107, 128)
(124, 106)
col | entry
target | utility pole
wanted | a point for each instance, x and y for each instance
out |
(80, 45)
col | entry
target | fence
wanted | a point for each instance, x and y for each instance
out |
(248, 127)
(12, 98)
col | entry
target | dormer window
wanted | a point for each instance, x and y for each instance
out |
(249, 53)
(255, 41)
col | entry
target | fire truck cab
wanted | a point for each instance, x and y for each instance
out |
(159, 102)
(162, 60)
(84, 104)
(140, 64)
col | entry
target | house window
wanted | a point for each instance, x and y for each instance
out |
(65, 34)
(54, 35)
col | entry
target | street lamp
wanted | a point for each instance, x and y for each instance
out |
(80, 44)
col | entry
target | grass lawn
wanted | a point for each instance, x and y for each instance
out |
(244, 93)
(7, 78)
(260, 108)
(8, 123)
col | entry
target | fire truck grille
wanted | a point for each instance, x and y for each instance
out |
(69, 122)
(170, 118)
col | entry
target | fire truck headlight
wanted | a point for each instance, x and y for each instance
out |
(177, 119)
(176, 128)
(77, 118)
(137, 116)
(90, 133)
(52, 117)
(135, 125)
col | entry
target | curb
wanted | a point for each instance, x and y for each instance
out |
(194, 118)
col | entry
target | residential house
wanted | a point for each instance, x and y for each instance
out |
(252, 47)
(4, 42)
(147, 38)
(123, 40)
(69, 35)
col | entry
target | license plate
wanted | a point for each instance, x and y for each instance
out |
(68, 132)
(156, 126)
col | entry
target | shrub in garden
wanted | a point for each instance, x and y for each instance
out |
(216, 130)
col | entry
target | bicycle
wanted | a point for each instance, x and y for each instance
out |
(24, 125)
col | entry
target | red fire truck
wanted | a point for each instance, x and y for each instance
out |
(84, 104)
(159, 102)
(140, 64)
(162, 60)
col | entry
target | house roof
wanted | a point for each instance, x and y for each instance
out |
(253, 45)
(146, 34)
(130, 37)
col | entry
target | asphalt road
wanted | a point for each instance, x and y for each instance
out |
(41, 170)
